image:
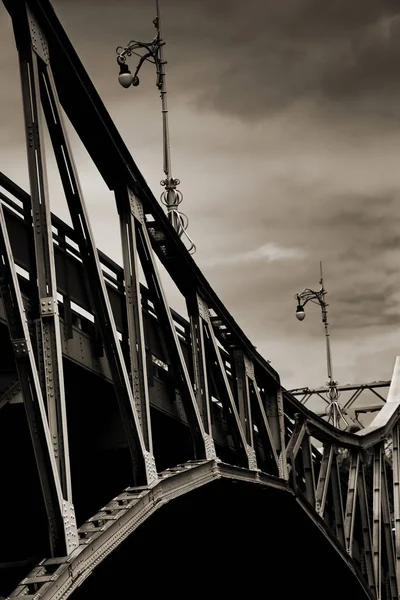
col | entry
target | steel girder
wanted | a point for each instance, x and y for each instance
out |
(41, 94)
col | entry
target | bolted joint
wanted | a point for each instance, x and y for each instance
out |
(48, 306)
(20, 347)
(203, 309)
(70, 527)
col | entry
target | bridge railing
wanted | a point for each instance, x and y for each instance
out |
(352, 481)
(74, 297)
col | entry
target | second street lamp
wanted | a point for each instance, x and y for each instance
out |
(335, 413)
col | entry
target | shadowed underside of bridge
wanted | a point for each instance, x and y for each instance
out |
(231, 538)
(205, 527)
(146, 451)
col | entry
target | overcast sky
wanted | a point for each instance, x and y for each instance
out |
(285, 133)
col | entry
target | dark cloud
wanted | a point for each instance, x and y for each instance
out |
(252, 58)
(264, 56)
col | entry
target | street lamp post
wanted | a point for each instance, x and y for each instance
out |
(153, 52)
(335, 413)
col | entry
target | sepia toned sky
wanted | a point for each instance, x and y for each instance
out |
(285, 134)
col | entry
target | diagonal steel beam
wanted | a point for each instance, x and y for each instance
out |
(243, 395)
(350, 510)
(296, 439)
(388, 536)
(200, 370)
(134, 316)
(276, 418)
(308, 466)
(396, 496)
(246, 454)
(324, 479)
(366, 530)
(142, 460)
(48, 329)
(203, 442)
(377, 517)
(60, 512)
(337, 500)
(264, 426)
(352, 399)
(10, 393)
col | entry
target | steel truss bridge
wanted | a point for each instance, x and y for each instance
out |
(142, 452)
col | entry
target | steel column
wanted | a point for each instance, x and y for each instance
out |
(263, 422)
(200, 374)
(49, 338)
(396, 497)
(276, 419)
(203, 443)
(350, 511)
(243, 396)
(142, 461)
(337, 500)
(388, 535)
(246, 454)
(60, 512)
(136, 343)
(323, 479)
(293, 448)
(366, 529)
(296, 439)
(306, 450)
(377, 517)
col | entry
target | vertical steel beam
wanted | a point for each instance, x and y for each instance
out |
(350, 510)
(396, 496)
(366, 530)
(293, 448)
(337, 500)
(203, 442)
(263, 423)
(200, 374)
(49, 343)
(243, 396)
(377, 517)
(144, 469)
(387, 530)
(246, 454)
(66, 295)
(60, 513)
(276, 419)
(308, 465)
(324, 479)
(296, 439)
(136, 343)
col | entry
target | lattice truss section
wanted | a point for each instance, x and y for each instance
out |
(347, 483)
(39, 356)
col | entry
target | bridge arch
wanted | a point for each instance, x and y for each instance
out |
(204, 527)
